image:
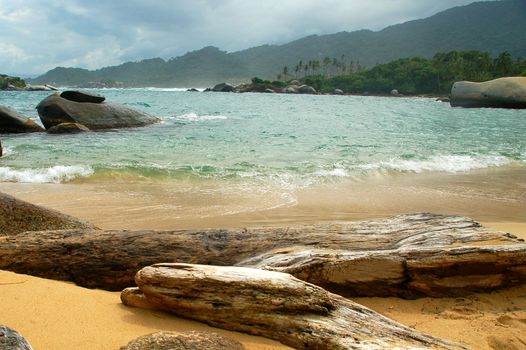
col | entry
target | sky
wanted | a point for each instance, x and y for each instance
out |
(38, 35)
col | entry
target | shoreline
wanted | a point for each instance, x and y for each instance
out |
(486, 195)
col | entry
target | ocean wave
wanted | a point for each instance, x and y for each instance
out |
(55, 174)
(450, 164)
(7, 151)
(193, 117)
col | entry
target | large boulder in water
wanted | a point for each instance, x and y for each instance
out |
(13, 122)
(56, 109)
(499, 93)
(223, 87)
(67, 128)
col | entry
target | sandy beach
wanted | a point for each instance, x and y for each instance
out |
(58, 315)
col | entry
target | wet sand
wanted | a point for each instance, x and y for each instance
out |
(489, 195)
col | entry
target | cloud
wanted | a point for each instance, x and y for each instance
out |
(40, 35)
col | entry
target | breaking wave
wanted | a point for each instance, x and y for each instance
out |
(55, 174)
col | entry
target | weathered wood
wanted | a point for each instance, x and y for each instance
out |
(271, 304)
(406, 255)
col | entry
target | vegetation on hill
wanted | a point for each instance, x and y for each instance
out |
(6, 81)
(407, 75)
(488, 26)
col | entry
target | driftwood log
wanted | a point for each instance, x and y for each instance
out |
(271, 304)
(406, 255)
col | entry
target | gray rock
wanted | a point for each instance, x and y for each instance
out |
(306, 89)
(17, 216)
(395, 92)
(290, 90)
(79, 96)
(183, 341)
(223, 87)
(13, 122)
(54, 110)
(338, 92)
(67, 128)
(12, 340)
(38, 88)
(192, 90)
(270, 91)
(499, 93)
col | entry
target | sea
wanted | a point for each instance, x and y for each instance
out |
(267, 146)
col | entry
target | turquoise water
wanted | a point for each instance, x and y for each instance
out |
(291, 141)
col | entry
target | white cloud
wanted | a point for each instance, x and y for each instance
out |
(40, 35)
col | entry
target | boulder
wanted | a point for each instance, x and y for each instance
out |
(223, 87)
(290, 90)
(192, 90)
(395, 93)
(12, 340)
(67, 128)
(17, 216)
(39, 88)
(306, 89)
(183, 341)
(338, 92)
(80, 96)
(13, 122)
(54, 110)
(499, 93)
(269, 91)
(271, 304)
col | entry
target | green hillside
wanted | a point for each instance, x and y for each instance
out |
(492, 27)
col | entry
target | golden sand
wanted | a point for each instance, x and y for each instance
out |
(57, 315)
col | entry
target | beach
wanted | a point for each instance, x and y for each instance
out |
(249, 160)
(59, 315)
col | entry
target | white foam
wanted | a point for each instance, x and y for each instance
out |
(337, 172)
(450, 164)
(7, 151)
(55, 174)
(193, 117)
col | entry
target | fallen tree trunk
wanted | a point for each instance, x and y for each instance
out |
(406, 255)
(271, 304)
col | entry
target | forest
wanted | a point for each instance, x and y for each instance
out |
(409, 76)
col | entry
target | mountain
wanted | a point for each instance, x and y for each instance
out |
(493, 27)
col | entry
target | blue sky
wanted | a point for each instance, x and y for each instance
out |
(38, 35)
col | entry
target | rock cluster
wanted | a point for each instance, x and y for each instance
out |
(90, 111)
(265, 87)
(74, 112)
